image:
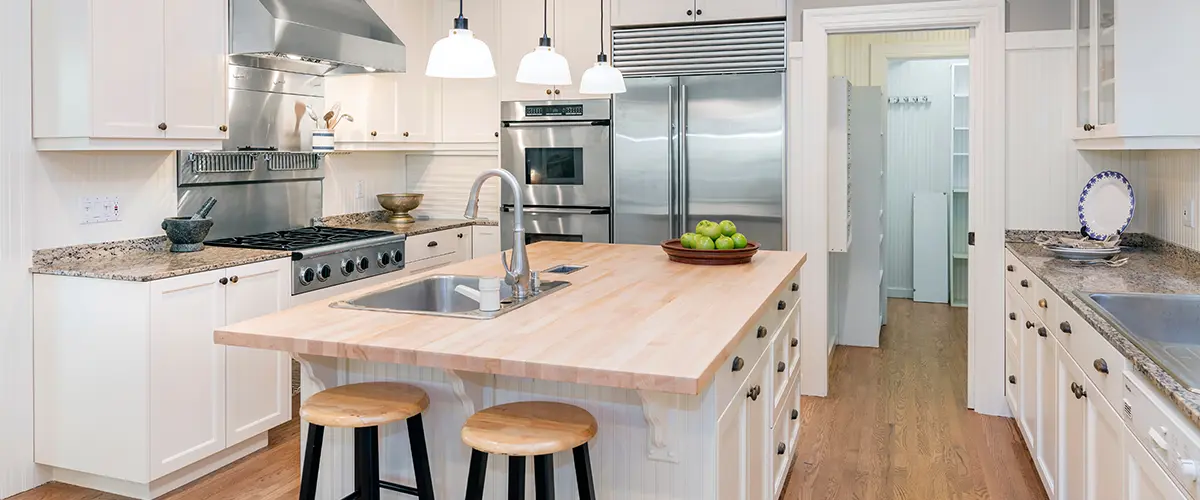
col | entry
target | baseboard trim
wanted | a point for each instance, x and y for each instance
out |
(167, 483)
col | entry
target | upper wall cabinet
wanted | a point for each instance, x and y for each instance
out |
(470, 108)
(129, 74)
(575, 30)
(1135, 82)
(640, 12)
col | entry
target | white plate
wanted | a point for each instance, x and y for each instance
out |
(1075, 254)
(1100, 251)
(1106, 205)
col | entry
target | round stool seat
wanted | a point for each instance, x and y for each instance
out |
(529, 428)
(364, 405)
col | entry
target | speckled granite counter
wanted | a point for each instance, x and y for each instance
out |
(1154, 267)
(144, 259)
(377, 221)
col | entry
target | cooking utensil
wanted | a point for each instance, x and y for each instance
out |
(205, 209)
(329, 119)
(340, 118)
(399, 204)
(311, 113)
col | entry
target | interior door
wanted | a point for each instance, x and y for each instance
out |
(644, 161)
(731, 166)
(257, 382)
(195, 71)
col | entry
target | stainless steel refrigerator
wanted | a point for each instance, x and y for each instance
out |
(688, 148)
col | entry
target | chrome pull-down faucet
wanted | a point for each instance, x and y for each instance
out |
(516, 272)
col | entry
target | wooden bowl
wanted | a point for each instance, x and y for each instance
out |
(677, 253)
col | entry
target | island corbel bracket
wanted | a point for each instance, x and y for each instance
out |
(468, 388)
(656, 408)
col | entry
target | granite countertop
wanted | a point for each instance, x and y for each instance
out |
(1154, 267)
(144, 259)
(377, 221)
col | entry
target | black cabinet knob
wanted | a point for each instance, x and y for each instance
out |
(762, 332)
(1028, 324)
(795, 414)
(431, 244)
(754, 392)
(1024, 283)
(1087, 127)
(698, 12)
(460, 235)
(1012, 316)
(497, 134)
(1065, 327)
(1042, 331)
(1011, 268)
(689, 12)
(1012, 379)
(781, 448)
(738, 363)
(557, 91)
(795, 342)
(162, 126)
(795, 287)
(223, 281)
(782, 305)
(405, 134)
(1100, 365)
(783, 366)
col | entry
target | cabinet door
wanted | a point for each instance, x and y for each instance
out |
(635, 12)
(127, 68)
(463, 248)
(579, 34)
(517, 38)
(485, 240)
(725, 10)
(187, 371)
(1105, 446)
(1072, 430)
(471, 106)
(1012, 351)
(1045, 456)
(1145, 479)
(195, 68)
(258, 382)
(1029, 374)
(1082, 22)
(403, 103)
(731, 449)
(1106, 72)
(760, 444)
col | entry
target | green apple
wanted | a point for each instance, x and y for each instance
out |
(739, 240)
(688, 240)
(728, 228)
(724, 243)
(708, 228)
(704, 243)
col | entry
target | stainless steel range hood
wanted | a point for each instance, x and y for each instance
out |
(318, 37)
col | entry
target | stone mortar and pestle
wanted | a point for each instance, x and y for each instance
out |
(187, 233)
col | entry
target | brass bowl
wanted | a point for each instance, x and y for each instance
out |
(399, 204)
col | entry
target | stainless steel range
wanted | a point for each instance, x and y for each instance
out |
(328, 256)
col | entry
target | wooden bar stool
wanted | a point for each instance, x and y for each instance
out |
(365, 407)
(537, 429)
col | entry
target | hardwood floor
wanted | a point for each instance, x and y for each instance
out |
(895, 426)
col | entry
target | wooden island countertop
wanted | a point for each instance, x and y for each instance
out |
(631, 319)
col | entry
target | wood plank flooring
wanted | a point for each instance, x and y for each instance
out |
(895, 426)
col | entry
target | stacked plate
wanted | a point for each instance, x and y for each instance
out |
(1084, 254)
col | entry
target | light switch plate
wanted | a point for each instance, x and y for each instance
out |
(1189, 213)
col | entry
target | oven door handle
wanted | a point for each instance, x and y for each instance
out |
(560, 211)
(593, 123)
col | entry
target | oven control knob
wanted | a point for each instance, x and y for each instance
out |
(384, 258)
(363, 264)
(1188, 469)
(347, 267)
(398, 257)
(307, 275)
(324, 272)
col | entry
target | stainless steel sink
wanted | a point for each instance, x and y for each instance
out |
(435, 296)
(1165, 326)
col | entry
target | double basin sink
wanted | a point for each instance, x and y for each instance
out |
(435, 296)
(1165, 326)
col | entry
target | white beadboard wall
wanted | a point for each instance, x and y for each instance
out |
(1163, 186)
(918, 157)
(850, 55)
(382, 172)
(446, 181)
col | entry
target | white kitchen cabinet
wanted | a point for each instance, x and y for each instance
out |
(470, 107)
(520, 29)
(1072, 427)
(129, 75)
(1012, 351)
(635, 13)
(130, 386)
(579, 33)
(1045, 457)
(485, 240)
(1029, 374)
(744, 440)
(1105, 446)
(1132, 90)
(258, 383)
(1145, 479)
(428, 251)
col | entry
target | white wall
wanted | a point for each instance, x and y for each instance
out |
(1163, 185)
(378, 173)
(1021, 15)
(446, 182)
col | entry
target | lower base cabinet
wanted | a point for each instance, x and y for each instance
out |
(1144, 478)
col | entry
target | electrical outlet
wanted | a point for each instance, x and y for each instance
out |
(359, 188)
(95, 209)
(1189, 213)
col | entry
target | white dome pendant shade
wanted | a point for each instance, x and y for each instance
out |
(544, 66)
(460, 55)
(602, 78)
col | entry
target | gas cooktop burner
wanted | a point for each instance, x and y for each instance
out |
(298, 239)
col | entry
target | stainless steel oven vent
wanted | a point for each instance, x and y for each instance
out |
(292, 161)
(221, 163)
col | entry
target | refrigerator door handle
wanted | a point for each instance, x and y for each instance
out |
(672, 162)
(683, 155)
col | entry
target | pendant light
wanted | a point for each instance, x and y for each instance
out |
(602, 78)
(460, 54)
(544, 66)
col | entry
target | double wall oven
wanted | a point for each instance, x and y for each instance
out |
(561, 151)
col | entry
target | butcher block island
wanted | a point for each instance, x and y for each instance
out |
(691, 371)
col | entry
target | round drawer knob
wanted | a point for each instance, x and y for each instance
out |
(762, 332)
(698, 12)
(223, 128)
(1043, 304)
(233, 279)
(1024, 283)
(1012, 316)
(781, 367)
(223, 281)
(1028, 324)
(548, 91)
(689, 12)
(1087, 127)
(795, 342)
(1012, 379)
(1100, 365)
(1065, 327)
(795, 287)
(374, 133)
(795, 414)
(162, 126)
(1011, 268)
(781, 448)
(782, 305)
(497, 134)
(738, 363)
(557, 91)
(1042, 331)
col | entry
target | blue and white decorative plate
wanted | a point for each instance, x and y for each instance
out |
(1106, 205)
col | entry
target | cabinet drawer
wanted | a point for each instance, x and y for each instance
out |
(1012, 379)
(733, 372)
(1013, 314)
(782, 367)
(785, 300)
(431, 263)
(781, 451)
(429, 245)
(1014, 270)
(1098, 358)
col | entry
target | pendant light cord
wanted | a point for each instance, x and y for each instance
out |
(601, 27)
(545, 18)
(460, 8)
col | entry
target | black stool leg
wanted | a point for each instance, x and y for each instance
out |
(475, 476)
(312, 462)
(516, 478)
(420, 457)
(543, 477)
(366, 462)
(583, 472)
